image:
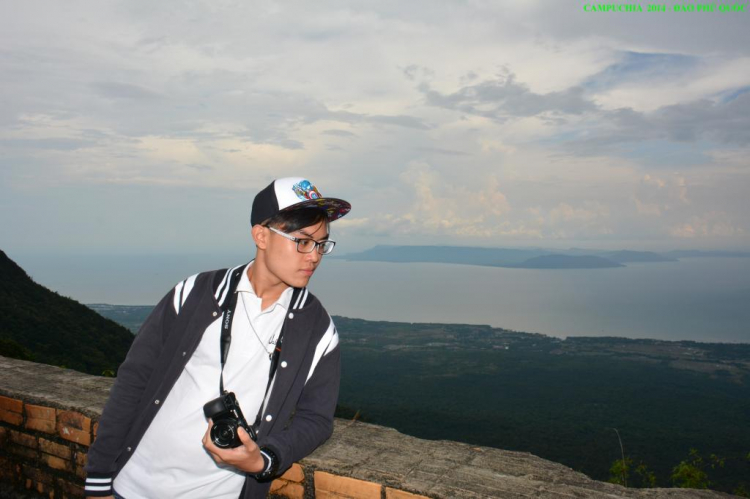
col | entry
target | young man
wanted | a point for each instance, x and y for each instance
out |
(253, 330)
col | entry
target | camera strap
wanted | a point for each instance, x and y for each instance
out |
(227, 319)
(226, 322)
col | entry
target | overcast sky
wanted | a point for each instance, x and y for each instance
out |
(148, 127)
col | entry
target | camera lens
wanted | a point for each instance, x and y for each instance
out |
(224, 434)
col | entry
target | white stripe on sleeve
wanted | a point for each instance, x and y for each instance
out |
(189, 283)
(322, 347)
(177, 290)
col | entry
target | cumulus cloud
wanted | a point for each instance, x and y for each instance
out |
(711, 224)
(503, 121)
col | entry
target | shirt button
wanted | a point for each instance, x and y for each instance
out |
(156, 401)
(269, 417)
(130, 449)
(184, 354)
(291, 315)
(283, 363)
(215, 314)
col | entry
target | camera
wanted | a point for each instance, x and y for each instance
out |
(227, 417)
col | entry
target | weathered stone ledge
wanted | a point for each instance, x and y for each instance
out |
(48, 418)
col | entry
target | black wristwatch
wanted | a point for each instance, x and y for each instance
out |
(271, 463)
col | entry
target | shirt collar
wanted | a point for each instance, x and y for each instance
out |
(246, 287)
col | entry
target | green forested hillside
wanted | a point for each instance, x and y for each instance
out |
(558, 399)
(40, 325)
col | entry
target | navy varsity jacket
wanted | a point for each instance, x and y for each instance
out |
(298, 416)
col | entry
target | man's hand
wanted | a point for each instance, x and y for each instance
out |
(246, 457)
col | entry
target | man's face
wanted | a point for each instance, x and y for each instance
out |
(289, 265)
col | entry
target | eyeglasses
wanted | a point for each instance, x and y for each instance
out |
(308, 245)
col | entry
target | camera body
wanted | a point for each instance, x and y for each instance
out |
(227, 417)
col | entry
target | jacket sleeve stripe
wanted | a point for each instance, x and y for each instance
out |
(226, 287)
(323, 347)
(189, 283)
(334, 342)
(181, 292)
(299, 297)
(223, 283)
(177, 292)
(304, 298)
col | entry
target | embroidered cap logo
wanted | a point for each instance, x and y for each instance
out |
(305, 190)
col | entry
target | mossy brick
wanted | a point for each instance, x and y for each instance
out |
(59, 450)
(37, 475)
(56, 463)
(329, 485)
(14, 418)
(294, 474)
(20, 450)
(401, 494)
(40, 418)
(73, 419)
(290, 490)
(11, 404)
(24, 439)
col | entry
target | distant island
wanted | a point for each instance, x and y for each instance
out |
(532, 258)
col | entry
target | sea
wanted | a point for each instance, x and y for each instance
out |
(700, 299)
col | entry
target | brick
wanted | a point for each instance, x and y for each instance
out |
(294, 474)
(40, 412)
(55, 449)
(81, 458)
(43, 425)
(56, 463)
(96, 428)
(400, 494)
(69, 489)
(40, 418)
(23, 439)
(7, 474)
(290, 490)
(21, 451)
(81, 472)
(36, 475)
(338, 486)
(11, 417)
(77, 436)
(73, 419)
(11, 405)
(74, 426)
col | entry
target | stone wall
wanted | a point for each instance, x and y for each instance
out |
(48, 419)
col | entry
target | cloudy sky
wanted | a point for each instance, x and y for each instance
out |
(139, 127)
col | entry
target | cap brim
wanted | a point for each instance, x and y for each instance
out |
(335, 208)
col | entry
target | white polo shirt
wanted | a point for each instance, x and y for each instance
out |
(170, 460)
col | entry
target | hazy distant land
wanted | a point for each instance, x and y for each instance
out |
(534, 258)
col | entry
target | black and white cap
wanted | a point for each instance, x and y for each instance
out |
(292, 193)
